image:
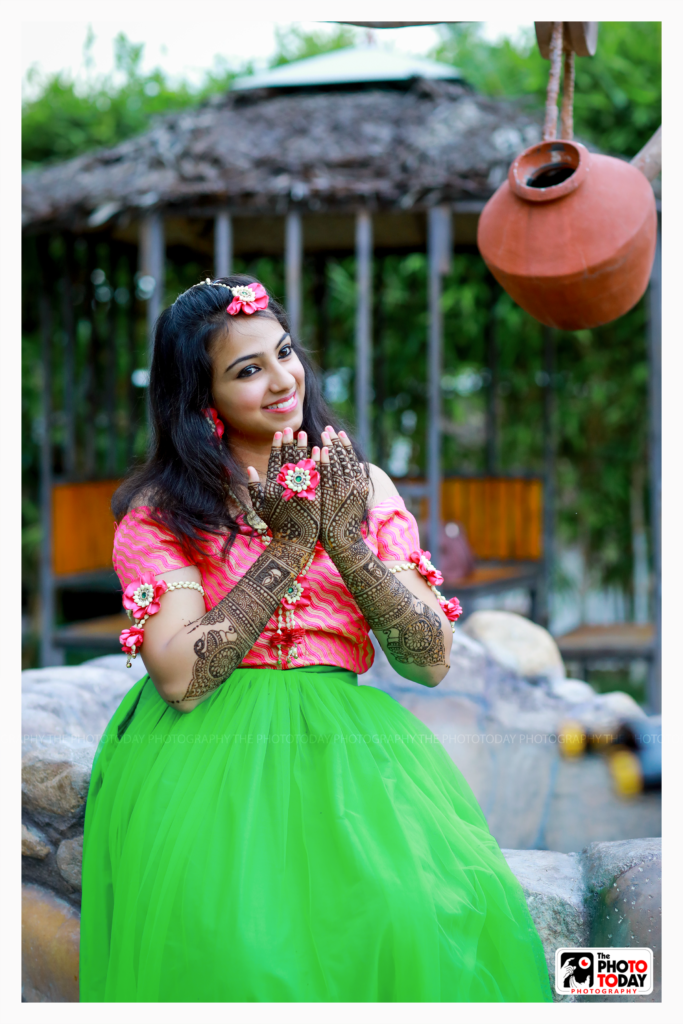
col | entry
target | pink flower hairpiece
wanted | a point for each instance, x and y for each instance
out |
(301, 479)
(248, 298)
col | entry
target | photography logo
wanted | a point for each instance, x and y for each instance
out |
(603, 972)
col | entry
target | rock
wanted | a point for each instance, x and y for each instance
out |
(574, 691)
(606, 712)
(604, 862)
(554, 889)
(71, 700)
(50, 946)
(517, 644)
(55, 777)
(625, 882)
(583, 808)
(70, 860)
(33, 843)
(117, 663)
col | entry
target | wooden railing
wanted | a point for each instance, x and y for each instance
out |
(82, 527)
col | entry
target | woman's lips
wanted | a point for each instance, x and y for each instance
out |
(284, 405)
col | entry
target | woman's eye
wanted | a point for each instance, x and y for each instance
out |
(248, 371)
(285, 351)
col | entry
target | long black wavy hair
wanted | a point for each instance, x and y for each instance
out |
(189, 469)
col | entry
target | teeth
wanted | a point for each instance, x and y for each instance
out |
(282, 405)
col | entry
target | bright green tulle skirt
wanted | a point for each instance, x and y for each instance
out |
(295, 838)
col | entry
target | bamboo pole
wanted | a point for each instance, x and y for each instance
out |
(363, 328)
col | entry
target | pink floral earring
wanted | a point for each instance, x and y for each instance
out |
(216, 424)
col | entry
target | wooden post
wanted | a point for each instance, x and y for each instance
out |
(222, 245)
(110, 361)
(48, 654)
(152, 259)
(293, 261)
(543, 609)
(491, 339)
(69, 359)
(439, 246)
(90, 368)
(654, 696)
(363, 328)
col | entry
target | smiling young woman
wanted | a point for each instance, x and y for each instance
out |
(259, 828)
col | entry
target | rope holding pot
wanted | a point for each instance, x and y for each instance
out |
(556, 48)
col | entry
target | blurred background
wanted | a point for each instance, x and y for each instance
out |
(569, 411)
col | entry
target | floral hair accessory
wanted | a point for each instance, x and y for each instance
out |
(301, 479)
(452, 609)
(425, 567)
(216, 424)
(248, 298)
(142, 596)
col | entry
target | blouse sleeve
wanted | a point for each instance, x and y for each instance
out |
(394, 529)
(141, 545)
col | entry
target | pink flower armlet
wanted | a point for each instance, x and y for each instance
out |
(141, 599)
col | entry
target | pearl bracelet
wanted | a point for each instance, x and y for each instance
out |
(187, 586)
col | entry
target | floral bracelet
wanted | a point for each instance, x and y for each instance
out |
(420, 560)
(141, 599)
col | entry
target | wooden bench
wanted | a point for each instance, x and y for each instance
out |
(82, 542)
(503, 520)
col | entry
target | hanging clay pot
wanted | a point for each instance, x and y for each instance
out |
(570, 235)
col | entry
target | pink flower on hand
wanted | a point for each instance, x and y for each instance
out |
(248, 298)
(131, 638)
(422, 560)
(141, 597)
(452, 609)
(299, 479)
(217, 425)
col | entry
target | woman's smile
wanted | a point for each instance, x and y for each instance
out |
(284, 404)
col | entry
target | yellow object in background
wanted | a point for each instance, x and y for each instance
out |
(572, 739)
(626, 772)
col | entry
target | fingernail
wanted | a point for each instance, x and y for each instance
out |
(342, 433)
(278, 434)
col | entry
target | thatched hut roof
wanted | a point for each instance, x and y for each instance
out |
(263, 152)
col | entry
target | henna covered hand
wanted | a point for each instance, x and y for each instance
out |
(409, 630)
(345, 488)
(296, 521)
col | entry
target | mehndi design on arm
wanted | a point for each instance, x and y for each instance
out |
(238, 620)
(413, 630)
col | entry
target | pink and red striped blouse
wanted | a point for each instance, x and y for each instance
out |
(335, 631)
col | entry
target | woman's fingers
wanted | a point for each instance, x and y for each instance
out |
(275, 459)
(288, 448)
(355, 468)
(255, 488)
(315, 454)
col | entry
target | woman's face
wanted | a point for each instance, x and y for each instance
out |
(258, 381)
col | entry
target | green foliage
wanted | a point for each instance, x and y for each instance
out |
(293, 43)
(618, 94)
(65, 119)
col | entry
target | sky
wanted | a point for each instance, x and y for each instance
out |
(181, 48)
